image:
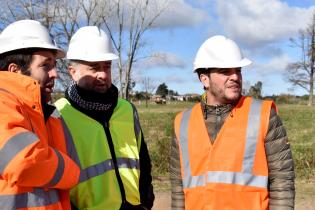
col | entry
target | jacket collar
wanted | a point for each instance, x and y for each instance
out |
(23, 87)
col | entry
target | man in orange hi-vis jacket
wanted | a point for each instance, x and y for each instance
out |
(35, 173)
(229, 151)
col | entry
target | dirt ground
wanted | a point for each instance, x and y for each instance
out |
(163, 202)
(305, 198)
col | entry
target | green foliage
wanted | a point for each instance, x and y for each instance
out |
(288, 99)
(255, 90)
(157, 128)
(162, 90)
(304, 159)
(300, 126)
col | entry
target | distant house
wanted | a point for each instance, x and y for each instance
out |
(192, 97)
(179, 98)
(158, 99)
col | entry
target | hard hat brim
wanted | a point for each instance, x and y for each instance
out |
(242, 63)
(7, 46)
(91, 57)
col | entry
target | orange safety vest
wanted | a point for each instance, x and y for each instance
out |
(31, 170)
(232, 173)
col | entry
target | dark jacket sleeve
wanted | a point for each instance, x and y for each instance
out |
(178, 199)
(280, 166)
(145, 182)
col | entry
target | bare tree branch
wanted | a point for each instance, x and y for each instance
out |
(301, 73)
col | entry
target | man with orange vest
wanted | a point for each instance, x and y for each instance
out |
(35, 172)
(230, 151)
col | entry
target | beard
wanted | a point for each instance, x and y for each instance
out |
(229, 94)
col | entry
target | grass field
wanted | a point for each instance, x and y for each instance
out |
(157, 125)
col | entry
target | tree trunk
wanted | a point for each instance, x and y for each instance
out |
(310, 98)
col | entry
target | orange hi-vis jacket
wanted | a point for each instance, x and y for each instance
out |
(33, 175)
(232, 173)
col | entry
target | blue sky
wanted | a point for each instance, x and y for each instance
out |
(262, 29)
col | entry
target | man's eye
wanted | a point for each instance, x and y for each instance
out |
(47, 66)
(93, 69)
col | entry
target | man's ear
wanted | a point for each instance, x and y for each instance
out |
(204, 79)
(14, 68)
(74, 72)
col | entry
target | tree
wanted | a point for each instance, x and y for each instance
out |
(256, 90)
(61, 17)
(162, 90)
(148, 86)
(133, 19)
(301, 73)
(125, 20)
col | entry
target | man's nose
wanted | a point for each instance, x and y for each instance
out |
(101, 75)
(53, 73)
(235, 75)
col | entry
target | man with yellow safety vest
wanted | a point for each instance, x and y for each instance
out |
(107, 141)
(230, 151)
(35, 172)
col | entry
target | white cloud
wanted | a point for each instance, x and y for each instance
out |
(275, 65)
(257, 22)
(181, 14)
(162, 59)
(270, 73)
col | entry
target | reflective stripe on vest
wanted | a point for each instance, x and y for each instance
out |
(245, 177)
(136, 121)
(107, 165)
(15, 145)
(37, 198)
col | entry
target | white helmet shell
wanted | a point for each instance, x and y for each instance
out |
(219, 52)
(24, 34)
(90, 43)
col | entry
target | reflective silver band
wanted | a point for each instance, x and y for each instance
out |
(15, 145)
(136, 121)
(59, 172)
(183, 138)
(252, 132)
(225, 177)
(107, 165)
(71, 150)
(194, 181)
(236, 178)
(128, 163)
(36, 198)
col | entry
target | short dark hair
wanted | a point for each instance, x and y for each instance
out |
(21, 57)
(203, 71)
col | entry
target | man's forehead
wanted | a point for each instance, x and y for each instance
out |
(224, 69)
(94, 63)
(45, 55)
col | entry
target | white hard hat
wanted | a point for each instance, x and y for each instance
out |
(219, 52)
(90, 43)
(27, 34)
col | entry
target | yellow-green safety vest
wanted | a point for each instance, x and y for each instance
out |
(98, 188)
